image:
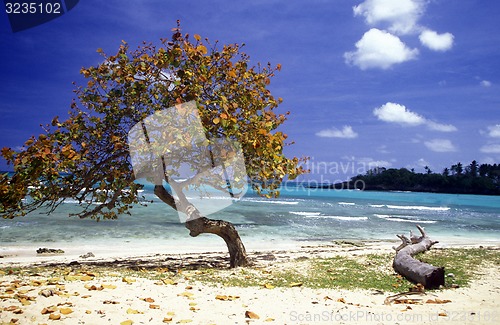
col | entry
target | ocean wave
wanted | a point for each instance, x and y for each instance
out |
(343, 218)
(272, 201)
(377, 205)
(303, 213)
(397, 219)
(410, 207)
(347, 203)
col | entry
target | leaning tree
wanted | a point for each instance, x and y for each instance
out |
(87, 157)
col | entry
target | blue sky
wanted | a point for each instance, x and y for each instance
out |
(393, 83)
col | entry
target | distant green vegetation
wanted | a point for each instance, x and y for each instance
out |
(470, 179)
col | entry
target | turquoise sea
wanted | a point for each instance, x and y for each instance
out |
(299, 216)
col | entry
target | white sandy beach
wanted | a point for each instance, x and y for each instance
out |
(87, 297)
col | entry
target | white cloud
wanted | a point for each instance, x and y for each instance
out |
(383, 149)
(379, 49)
(440, 145)
(441, 127)
(401, 16)
(488, 160)
(370, 163)
(346, 133)
(436, 42)
(422, 162)
(396, 113)
(485, 83)
(494, 131)
(490, 148)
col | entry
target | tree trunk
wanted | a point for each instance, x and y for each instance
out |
(198, 224)
(226, 230)
(416, 271)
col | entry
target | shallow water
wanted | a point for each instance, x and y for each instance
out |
(299, 215)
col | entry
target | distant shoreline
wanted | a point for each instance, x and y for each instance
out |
(350, 185)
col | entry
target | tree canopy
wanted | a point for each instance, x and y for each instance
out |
(86, 157)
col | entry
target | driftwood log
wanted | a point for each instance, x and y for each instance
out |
(414, 270)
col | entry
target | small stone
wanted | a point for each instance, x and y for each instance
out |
(45, 250)
(88, 255)
(47, 293)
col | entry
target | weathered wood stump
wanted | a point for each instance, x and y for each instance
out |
(414, 270)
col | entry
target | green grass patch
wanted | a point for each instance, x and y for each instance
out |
(464, 263)
(370, 272)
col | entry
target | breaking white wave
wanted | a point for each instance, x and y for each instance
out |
(303, 213)
(396, 219)
(272, 201)
(347, 203)
(409, 207)
(343, 218)
(417, 207)
(377, 205)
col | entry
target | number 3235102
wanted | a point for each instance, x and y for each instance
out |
(33, 8)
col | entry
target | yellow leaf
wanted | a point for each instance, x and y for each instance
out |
(226, 298)
(49, 310)
(167, 319)
(251, 315)
(55, 316)
(151, 306)
(184, 321)
(24, 302)
(108, 286)
(132, 311)
(202, 49)
(169, 281)
(71, 278)
(127, 322)
(186, 294)
(216, 120)
(437, 301)
(268, 286)
(295, 284)
(128, 280)
(197, 37)
(65, 311)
